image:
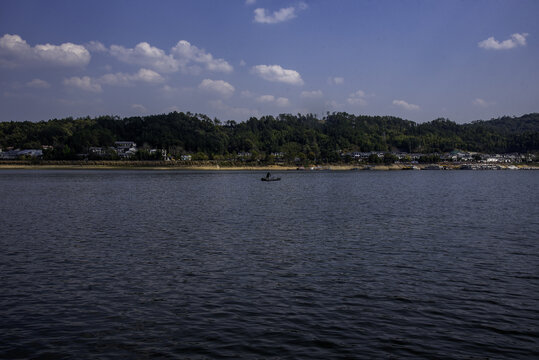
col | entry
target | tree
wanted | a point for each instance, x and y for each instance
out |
(374, 159)
(390, 158)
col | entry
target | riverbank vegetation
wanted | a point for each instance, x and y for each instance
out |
(287, 137)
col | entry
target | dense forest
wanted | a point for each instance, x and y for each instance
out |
(303, 136)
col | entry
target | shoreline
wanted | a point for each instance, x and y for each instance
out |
(110, 165)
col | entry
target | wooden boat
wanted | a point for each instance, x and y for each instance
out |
(271, 178)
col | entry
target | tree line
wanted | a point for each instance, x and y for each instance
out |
(291, 136)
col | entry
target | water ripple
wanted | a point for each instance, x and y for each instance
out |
(141, 264)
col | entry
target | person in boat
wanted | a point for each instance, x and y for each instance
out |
(268, 175)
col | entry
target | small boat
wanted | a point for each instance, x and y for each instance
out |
(271, 178)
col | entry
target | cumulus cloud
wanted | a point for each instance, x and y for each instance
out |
(278, 16)
(38, 84)
(96, 46)
(482, 103)
(217, 86)
(406, 106)
(186, 53)
(270, 99)
(265, 98)
(514, 41)
(14, 51)
(139, 108)
(315, 94)
(263, 16)
(337, 80)
(148, 76)
(357, 98)
(146, 55)
(282, 102)
(183, 56)
(84, 83)
(123, 79)
(276, 73)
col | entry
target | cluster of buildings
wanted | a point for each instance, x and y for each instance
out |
(121, 149)
(14, 154)
(124, 150)
(128, 149)
(453, 156)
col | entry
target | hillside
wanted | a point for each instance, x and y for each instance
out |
(303, 136)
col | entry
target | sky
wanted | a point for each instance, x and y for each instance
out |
(231, 60)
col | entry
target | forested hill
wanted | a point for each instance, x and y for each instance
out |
(294, 135)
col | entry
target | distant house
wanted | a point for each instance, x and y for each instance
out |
(17, 154)
(162, 153)
(35, 153)
(244, 154)
(97, 151)
(125, 149)
(124, 145)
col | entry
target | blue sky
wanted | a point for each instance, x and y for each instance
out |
(416, 59)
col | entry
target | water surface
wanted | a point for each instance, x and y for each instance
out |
(179, 264)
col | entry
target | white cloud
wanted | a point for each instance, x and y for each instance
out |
(217, 86)
(282, 102)
(96, 46)
(406, 106)
(183, 56)
(514, 41)
(14, 51)
(123, 79)
(38, 84)
(315, 94)
(284, 14)
(149, 76)
(270, 99)
(186, 53)
(146, 55)
(276, 73)
(357, 98)
(247, 94)
(278, 16)
(250, 2)
(139, 108)
(84, 83)
(482, 103)
(265, 98)
(337, 80)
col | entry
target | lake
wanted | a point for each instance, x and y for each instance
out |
(185, 264)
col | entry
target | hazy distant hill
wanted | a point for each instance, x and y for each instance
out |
(303, 136)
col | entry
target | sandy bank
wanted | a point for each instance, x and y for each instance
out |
(140, 165)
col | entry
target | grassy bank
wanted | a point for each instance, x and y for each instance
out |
(200, 165)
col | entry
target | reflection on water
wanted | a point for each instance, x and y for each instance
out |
(145, 264)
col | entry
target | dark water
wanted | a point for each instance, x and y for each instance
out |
(147, 264)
